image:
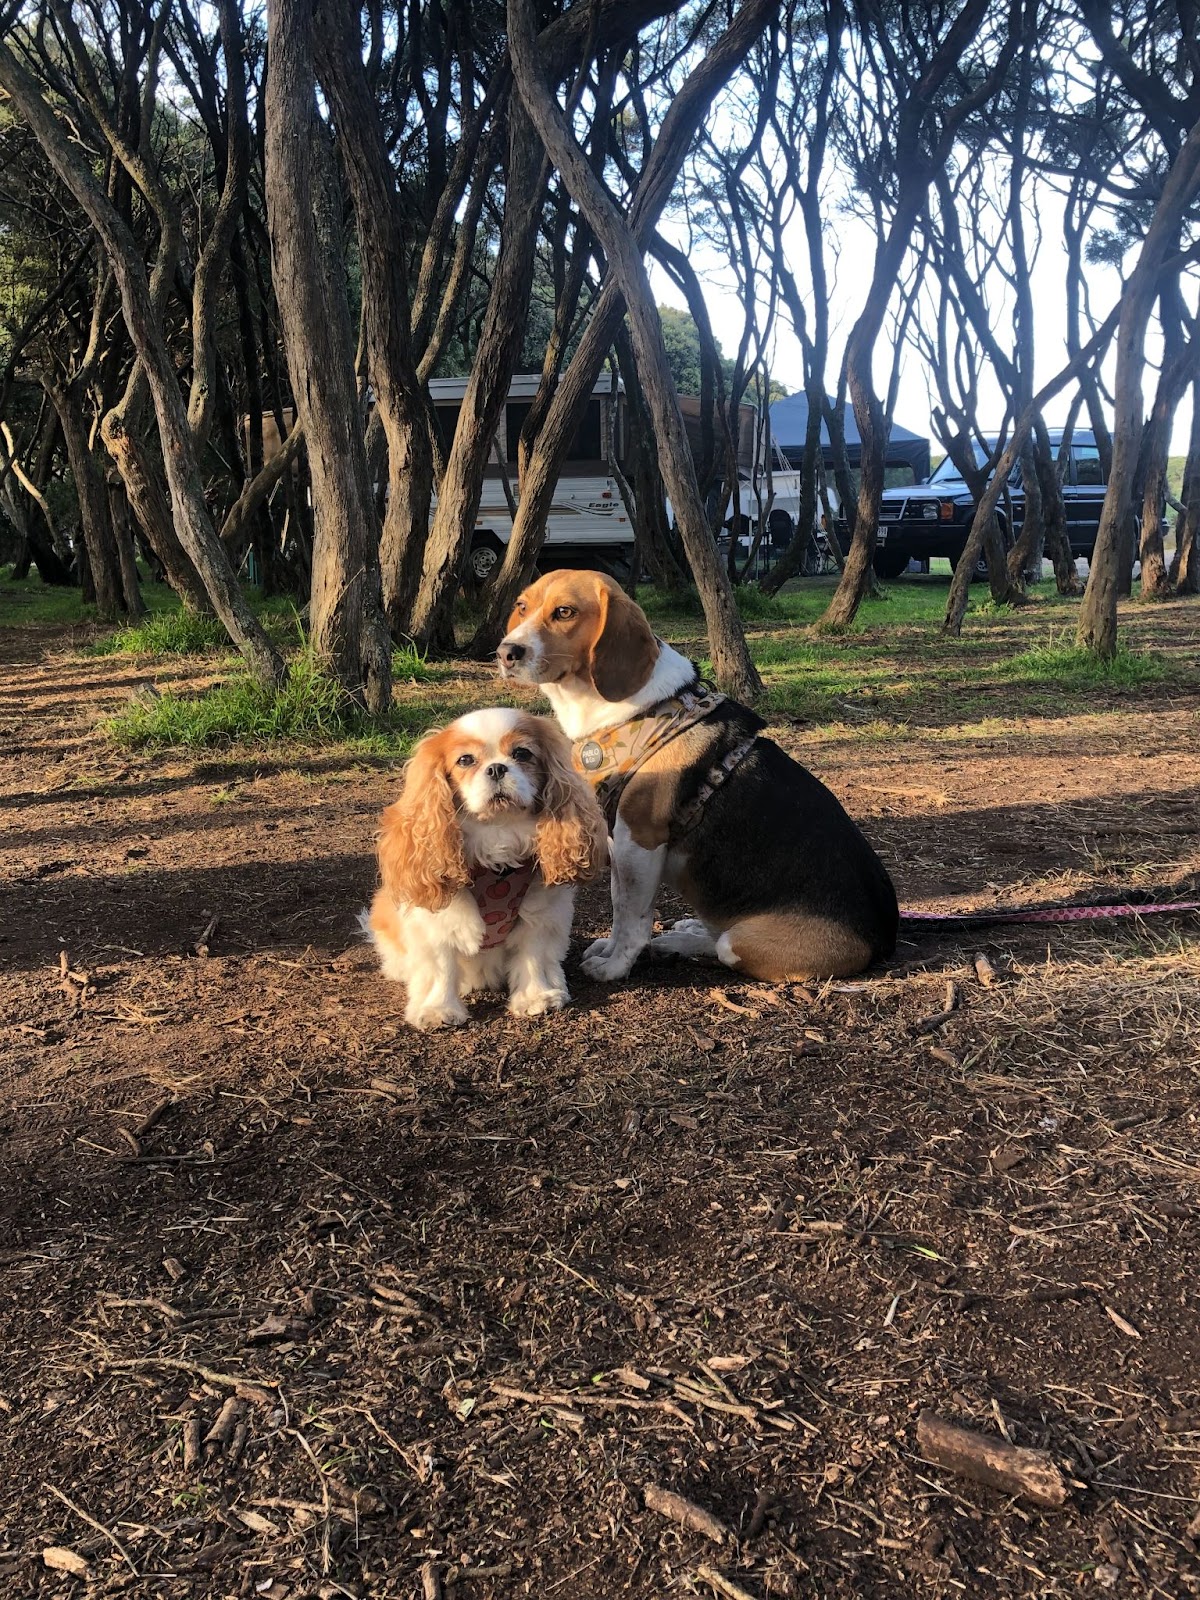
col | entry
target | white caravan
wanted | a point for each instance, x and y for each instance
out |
(588, 524)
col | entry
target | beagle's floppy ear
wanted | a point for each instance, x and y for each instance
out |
(572, 839)
(421, 858)
(624, 650)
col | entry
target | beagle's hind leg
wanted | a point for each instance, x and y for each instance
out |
(776, 947)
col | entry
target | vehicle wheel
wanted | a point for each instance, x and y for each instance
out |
(980, 575)
(890, 563)
(486, 555)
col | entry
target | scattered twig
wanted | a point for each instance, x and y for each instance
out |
(92, 1523)
(246, 1388)
(723, 1585)
(1030, 1474)
(685, 1512)
(201, 946)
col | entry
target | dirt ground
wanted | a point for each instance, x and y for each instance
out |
(295, 1303)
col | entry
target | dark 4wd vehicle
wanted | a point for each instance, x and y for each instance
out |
(934, 518)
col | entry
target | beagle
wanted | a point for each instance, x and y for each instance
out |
(783, 884)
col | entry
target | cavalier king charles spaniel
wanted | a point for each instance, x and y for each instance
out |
(479, 859)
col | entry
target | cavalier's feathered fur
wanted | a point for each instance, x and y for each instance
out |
(494, 790)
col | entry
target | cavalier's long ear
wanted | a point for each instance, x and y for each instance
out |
(421, 857)
(572, 840)
(624, 650)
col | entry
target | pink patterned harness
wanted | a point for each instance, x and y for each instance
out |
(500, 896)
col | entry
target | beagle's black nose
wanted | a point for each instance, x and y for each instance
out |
(497, 771)
(510, 654)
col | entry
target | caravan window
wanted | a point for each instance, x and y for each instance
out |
(446, 418)
(585, 446)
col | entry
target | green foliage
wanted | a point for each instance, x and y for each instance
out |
(682, 339)
(165, 633)
(1072, 668)
(310, 709)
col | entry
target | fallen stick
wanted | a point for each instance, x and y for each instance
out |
(722, 1584)
(431, 1581)
(685, 1512)
(1031, 1474)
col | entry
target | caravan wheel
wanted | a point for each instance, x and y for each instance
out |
(486, 555)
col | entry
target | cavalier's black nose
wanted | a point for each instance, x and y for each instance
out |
(497, 771)
(510, 654)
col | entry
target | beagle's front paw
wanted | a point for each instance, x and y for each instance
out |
(606, 967)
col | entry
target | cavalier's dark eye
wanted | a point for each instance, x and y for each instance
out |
(522, 754)
(465, 761)
(564, 613)
(521, 607)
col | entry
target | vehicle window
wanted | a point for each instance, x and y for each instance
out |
(947, 471)
(585, 446)
(446, 418)
(899, 475)
(1087, 463)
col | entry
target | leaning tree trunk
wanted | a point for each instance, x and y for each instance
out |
(541, 469)
(143, 485)
(1185, 566)
(349, 634)
(732, 666)
(1025, 557)
(1054, 513)
(94, 521)
(1097, 630)
(118, 510)
(487, 389)
(193, 523)
(399, 399)
(1173, 382)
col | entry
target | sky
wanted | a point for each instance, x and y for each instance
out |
(850, 278)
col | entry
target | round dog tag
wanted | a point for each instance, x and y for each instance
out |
(591, 755)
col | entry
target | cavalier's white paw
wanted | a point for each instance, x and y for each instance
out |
(607, 968)
(536, 1002)
(427, 1018)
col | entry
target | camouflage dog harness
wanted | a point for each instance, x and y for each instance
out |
(609, 759)
(500, 894)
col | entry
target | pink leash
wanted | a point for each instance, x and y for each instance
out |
(1055, 913)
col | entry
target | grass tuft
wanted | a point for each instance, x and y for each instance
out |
(165, 633)
(1071, 667)
(310, 708)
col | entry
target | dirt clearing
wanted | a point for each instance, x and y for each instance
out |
(297, 1303)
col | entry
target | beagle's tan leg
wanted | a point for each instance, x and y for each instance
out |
(778, 946)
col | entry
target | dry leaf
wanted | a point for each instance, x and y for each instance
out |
(59, 1559)
(255, 1523)
(1118, 1321)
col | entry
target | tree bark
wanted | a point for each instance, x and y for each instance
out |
(1185, 567)
(732, 666)
(1177, 373)
(118, 510)
(399, 398)
(1097, 629)
(487, 389)
(143, 485)
(914, 175)
(541, 469)
(349, 634)
(94, 523)
(187, 494)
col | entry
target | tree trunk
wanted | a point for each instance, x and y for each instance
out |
(1185, 567)
(1025, 557)
(487, 389)
(1097, 630)
(118, 510)
(1173, 382)
(192, 520)
(1054, 512)
(732, 666)
(95, 526)
(144, 487)
(399, 399)
(349, 634)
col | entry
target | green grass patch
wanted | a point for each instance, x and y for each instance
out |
(165, 633)
(309, 709)
(1069, 667)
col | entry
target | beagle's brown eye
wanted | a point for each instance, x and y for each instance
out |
(564, 613)
(521, 753)
(465, 761)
